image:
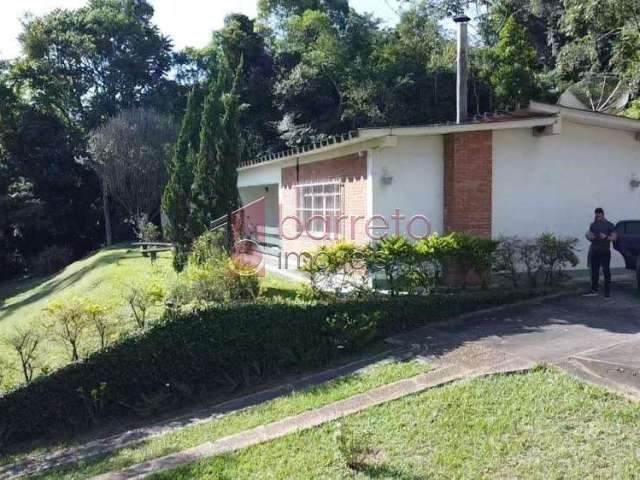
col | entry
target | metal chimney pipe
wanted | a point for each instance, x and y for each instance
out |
(462, 77)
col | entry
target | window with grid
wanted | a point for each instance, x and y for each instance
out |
(320, 200)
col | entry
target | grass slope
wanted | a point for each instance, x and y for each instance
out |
(542, 424)
(105, 278)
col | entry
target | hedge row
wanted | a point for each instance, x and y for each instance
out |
(211, 351)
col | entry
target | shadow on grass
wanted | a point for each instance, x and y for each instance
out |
(45, 286)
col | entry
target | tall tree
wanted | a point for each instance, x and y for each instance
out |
(88, 64)
(130, 153)
(514, 75)
(229, 147)
(239, 39)
(205, 197)
(91, 62)
(49, 195)
(177, 200)
(215, 185)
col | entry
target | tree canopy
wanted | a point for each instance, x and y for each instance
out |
(301, 70)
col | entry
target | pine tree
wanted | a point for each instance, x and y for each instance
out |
(229, 146)
(207, 208)
(177, 200)
(229, 149)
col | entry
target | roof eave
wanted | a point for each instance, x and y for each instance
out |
(316, 151)
(454, 128)
(367, 134)
(585, 117)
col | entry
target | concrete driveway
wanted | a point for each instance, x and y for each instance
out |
(593, 337)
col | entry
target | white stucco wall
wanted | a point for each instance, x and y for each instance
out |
(553, 183)
(416, 165)
(261, 175)
(270, 193)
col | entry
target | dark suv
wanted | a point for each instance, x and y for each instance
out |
(628, 244)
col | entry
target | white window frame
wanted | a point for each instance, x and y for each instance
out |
(320, 192)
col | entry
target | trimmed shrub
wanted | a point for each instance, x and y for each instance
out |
(189, 356)
(409, 268)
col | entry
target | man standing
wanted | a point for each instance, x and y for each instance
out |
(601, 233)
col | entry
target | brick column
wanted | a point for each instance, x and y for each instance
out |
(467, 190)
(467, 182)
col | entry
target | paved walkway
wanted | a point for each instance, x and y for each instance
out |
(592, 337)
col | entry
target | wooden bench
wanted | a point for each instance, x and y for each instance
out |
(151, 249)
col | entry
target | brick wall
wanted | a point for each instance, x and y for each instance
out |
(351, 170)
(468, 160)
(467, 182)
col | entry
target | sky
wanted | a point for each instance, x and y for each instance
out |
(187, 22)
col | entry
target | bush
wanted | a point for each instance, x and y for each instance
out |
(212, 275)
(472, 254)
(190, 356)
(141, 298)
(555, 255)
(207, 248)
(51, 260)
(338, 270)
(406, 267)
(394, 257)
(68, 323)
(545, 255)
(353, 448)
(145, 230)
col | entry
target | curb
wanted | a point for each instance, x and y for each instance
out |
(444, 375)
(128, 438)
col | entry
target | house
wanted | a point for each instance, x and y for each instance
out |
(540, 169)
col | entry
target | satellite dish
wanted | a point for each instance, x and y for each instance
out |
(599, 93)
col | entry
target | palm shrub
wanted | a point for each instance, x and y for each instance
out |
(393, 257)
(472, 254)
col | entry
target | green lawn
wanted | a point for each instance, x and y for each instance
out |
(542, 424)
(292, 404)
(104, 277)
